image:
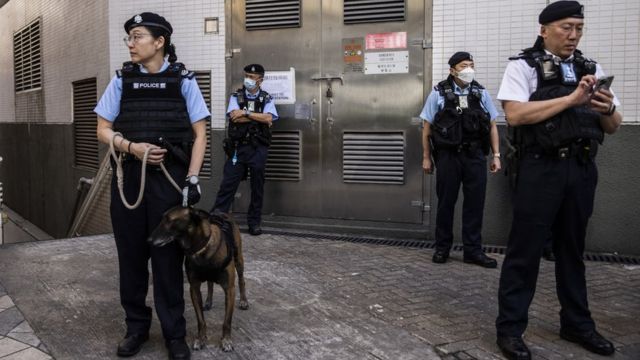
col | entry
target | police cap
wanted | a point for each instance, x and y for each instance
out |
(148, 19)
(456, 58)
(560, 10)
(254, 69)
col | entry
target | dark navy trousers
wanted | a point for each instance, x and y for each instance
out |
(553, 198)
(453, 168)
(253, 158)
(131, 230)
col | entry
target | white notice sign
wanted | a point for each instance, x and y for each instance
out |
(388, 62)
(281, 85)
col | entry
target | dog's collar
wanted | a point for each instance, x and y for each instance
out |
(226, 231)
(205, 246)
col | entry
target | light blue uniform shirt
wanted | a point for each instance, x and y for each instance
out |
(269, 107)
(109, 105)
(435, 103)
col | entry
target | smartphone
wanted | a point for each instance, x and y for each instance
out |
(604, 83)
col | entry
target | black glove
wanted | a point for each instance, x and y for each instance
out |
(191, 191)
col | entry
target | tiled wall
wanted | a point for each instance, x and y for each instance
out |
(493, 30)
(195, 49)
(73, 47)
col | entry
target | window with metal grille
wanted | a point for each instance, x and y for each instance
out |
(84, 123)
(373, 157)
(272, 14)
(371, 11)
(26, 57)
(203, 78)
(285, 157)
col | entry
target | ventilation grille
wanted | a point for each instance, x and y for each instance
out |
(285, 157)
(424, 244)
(371, 11)
(84, 123)
(203, 78)
(272, 14)
(26, 57)
(376, 158)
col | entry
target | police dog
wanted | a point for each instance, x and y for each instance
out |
(213, 252)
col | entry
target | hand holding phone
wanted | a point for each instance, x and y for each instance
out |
(603, 83)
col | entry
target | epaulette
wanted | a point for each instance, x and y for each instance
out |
(445, 89)
(127, 66)
(178, 67)
(264, 96)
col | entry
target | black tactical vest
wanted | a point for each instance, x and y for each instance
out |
(152, 105)
(252, 132)
(459, 124)
(557, 79)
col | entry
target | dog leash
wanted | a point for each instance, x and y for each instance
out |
(143, 177)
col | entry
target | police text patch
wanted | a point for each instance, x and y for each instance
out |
(149, 85)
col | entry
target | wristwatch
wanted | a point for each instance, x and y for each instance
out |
(496, 155)
(247, 112)
(193, 180)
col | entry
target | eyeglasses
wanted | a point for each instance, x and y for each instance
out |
(568, 28)
(135, 38)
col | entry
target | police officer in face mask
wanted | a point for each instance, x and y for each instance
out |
(251, 113)
(459, 125)
(549, 96)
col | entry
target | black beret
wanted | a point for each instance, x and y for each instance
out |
(456, 58)
(148, 19)
(254, 69)
(560, 10)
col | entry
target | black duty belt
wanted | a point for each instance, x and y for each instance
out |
(467, 146)
(575, 149)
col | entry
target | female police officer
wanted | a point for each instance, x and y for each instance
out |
(157, 106)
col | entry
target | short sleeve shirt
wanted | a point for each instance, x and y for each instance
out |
(435, 103)
(269, 107)
(109, 105)
(521, 80)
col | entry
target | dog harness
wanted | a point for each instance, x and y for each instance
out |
(227, 234)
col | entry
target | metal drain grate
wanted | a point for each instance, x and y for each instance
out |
(424, 244)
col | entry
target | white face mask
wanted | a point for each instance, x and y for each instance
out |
(466, 75)
(249, 83)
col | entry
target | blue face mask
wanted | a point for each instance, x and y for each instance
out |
(249, 83)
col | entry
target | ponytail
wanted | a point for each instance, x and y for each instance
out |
(170, 49)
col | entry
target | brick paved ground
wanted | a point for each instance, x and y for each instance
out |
(316, 299)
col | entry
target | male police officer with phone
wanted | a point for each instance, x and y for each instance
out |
(549, 98)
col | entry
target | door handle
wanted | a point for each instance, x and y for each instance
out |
(330, 119)
(312, 119)
(329, 78)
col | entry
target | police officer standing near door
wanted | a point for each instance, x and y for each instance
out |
(549, 96)
(251, 113)
(155, 103)
(459, 125)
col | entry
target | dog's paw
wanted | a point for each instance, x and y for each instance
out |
(198, 345)
(207, 306)
(244, 305)
(226, 345)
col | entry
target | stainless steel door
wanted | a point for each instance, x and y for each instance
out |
(358, 141)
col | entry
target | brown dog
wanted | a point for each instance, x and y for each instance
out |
(213, 252)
